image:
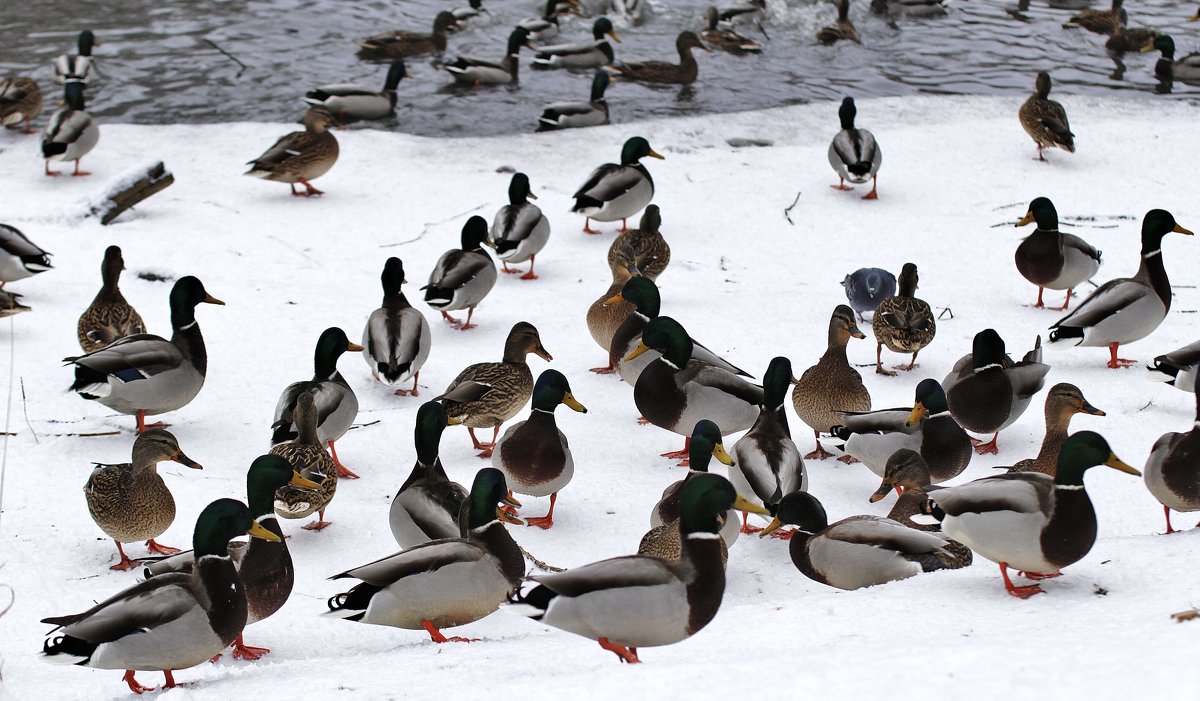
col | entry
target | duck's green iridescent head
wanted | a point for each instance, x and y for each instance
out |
(185, 295)
(1157, 224)
(222, 521)
(427, 434)
(518, 189)
(1083, 451)
(1042, 211)
(635, 150)
(929, 399)
(266, 475)
(705, 499)
(642, 293)
(475, 234)
(706, 444)
(487, 491)
(987, 350)
(553, 389)
(666, 336)
(776, 382)
(330, 346)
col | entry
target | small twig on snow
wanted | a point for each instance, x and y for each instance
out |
(787, 211)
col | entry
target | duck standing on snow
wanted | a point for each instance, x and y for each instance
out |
(651, 254)
(520, 230)
(462, 277)
(396, 338)
(606, 314)
(831, 385)
(474, 71)
(1178, 368)
(1173, 470)
(1186, 69)
(19, 257)
(351, 102)
(853, 153)
(615, 191)
(1063, 401)
(1050, 258)
(109, 316)
(1125, 310)
(308, 457)
(987, 391)
(71, 132)
(903, 323)
(866, 287)
(301, 155)
(580, 55)
(1045, 120)
(683, 73)
(725, 39)
(77, 68)
(397, 44)
(842, 30)
(20, 101)
(427, 505)
(569, 115)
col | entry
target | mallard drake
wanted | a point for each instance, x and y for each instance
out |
(1045, 120)
(1030, 521)
(336, 402)
(831, 385)
(170, 622)
(20, 101)
(130, 501)
(77, 68)
(606, 314)
(907, 473)
(725, 39)
(350, 102)
(1049, 258)
(927, 427)
(308, 457)
(475, 71)
(750, 11)
(684, 72)
(545, 27)
(1063, 401)
(675, 391)
(146, 374)
(520, 230)
(987, 391)
(1099, 21)
(615, 191)
(401, 43)
(1171, 470)
(866, 287)
(841, 30)
(462, 277)
(473, 10)
(443, 583)
(580, 55)
(427, 505)
(651, 253)
(19, 257)
(1178, 368)
(903, 323)
(109, 316)
(1186, 69)
(625, 603)
(910, 8)
(488, 394)
(533, 454)
(705, 445)
(569, 115)
(1126, 309)
(10, 304)
(301, 155)
(71, 132)
(853, 153)
(396, 338)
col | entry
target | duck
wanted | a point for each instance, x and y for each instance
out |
(109, 316)
(1177, 368)
(337, 405)
(473, 10)
(1125, 39)
(909, 8)
(308, 457)
(907, 473)
(854, 153)
(10, 304)
(631, 11)
(1063, 401)
(580, 55)
(170, 622)
(130, 501)
(144, 374)
(726, 40)
(462, 277)
(396, 339)
(637, 601)
(615, 191)
(706, 444)
(865, 288)
(1099, 21)
(77, 68)
(351, 102)
(1125, 310)
(488, 394)
(841, 30)
(520, 231)
(651, 252)
(71, 132)
(1186, 69)
(903, 323)
(1046, 120)
(745, 12)
(831, 385)
(1050, 258)
(19, 257)
(427, 505)
(572, 115)
(533, 454)
(20, 101)
(400, 43)
(987, 391)
(1029, 521)
(675, 391)
(473, 71)
(1171, 471)
(443, 583)
(605, 316)
(682, 73)
(928, 428)
(300, 156)
(545, 27)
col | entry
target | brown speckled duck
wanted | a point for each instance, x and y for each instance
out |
(307, 456)
(1045, 120)
(907, 473)
(684, 72)
(903, 323)
(831, 385)
(20, 101)
(1064, 401)
(1099, 21)
(650, 249)
(109, 316)
(300, 156)
(726, 39)
(841, 30)
(400, 43)
(605, 316)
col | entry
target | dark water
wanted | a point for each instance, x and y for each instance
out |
(159, 61)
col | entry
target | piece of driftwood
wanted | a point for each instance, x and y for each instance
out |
(130, 189)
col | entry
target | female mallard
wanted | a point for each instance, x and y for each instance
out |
(684, 72)
(853, 153)
(533, 454)
(462, 277)
(726, 39)
(1173, 468)
(20, 101)
(615, 191)
(1178, 368)
(400, 43)
(443, 583)
(10, 304)
(545, 27)
(841, 30)
(336, 402)
(831, 385)
(909, 8)
(170, 622)
(130, 501)
(488, 394)
(1045, 120)
(77, 68)
(475, 71)
(1030, 521)
(19, 257)
(1125, 39)
(1186, 69)
(903, 323)
(1049, 258)
(580, 55)
(907, 474)
(1062, 402)
(625, 603)
(520, 230)
(308, 457)
(396, 338)
(71, 132)
(146, 374)
(569, 115)
(1099, 21)
(605, 315)
(428, 503)
(1126, 309)
(705, 444)
(866, 288)
(350, 102)
(301, 155)
(651, 253)
(109, 316)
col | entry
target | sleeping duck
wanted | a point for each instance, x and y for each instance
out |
(682, 73)
(308, 457)
(903, 323)
(854, 153)
(427, 506)
(1063, 401)
(615, 191)
(570, 115)
(77, 68)
(71, 132)
(1050, 258)
(1046, 120)
(987, 391)
(300, 156)
(351, 102)
(474, 71)
(705, 445)
(1186, 69)
(520, 230)
(109, 316)
(462, 277)
(726, 39)
(1173, 470)
(832, 385)
(396, 338)
(20, 101)
(398, 44)
(19, 257)
(1177, 368)
(580, 55)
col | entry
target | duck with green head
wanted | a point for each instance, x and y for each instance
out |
(396, 339)
(986, 391)
(463, 276)
(580, 55)
(475, 71)
(617, 190)
(1186, 69)
(705, 445)
(79, 67)
(427, 506)
(71, 132)
(1051, 259)
(520, 231)
(570, 115)
(351, 102)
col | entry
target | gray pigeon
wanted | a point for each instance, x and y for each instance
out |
(867, 287)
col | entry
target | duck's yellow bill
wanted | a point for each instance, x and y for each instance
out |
(774, 525)
(453, 421)
(209, 299)
(656, 154)
(914, 417)
(303, 483)
(641, 348)
(570, 400)
(1147, 48)
(615, 299)
(257, 531)
(354, 347)
(1117, 464)
(743, 504)
(614, 36)
(505, 517)
(719, 453)
(1180, 230)
(1027, 219)
(511, 500)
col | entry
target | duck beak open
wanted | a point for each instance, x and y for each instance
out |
(209, 299)
(1089, 409)
(301, 482)
(1027, 219)
(774, 525)
(918, 413)
(615, 299)
(656, 154)
(257, 531)
(1180, 230)
(186, 461)
(719, 453)
(641, 348)
(885, 488)
(741, 503)
(1117, 464)
(570, 400)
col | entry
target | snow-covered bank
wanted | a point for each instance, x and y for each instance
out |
(957, 173)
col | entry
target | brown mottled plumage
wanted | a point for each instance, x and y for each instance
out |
(903, 323)
(907, 470)
(651, 254)
(831, 385)
(1099, 21)
(665, 541)
(20, 101)
(684, 72)
(1063, 401)
(401, 43)
(841, 30)
(301, 155)
(726, 39)
(109, 317)
(10, 304)
(307, 455)
(603, 319)
(1045, 120)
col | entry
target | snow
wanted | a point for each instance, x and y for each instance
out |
(957, 173)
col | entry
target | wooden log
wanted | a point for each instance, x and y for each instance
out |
(130, 189)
